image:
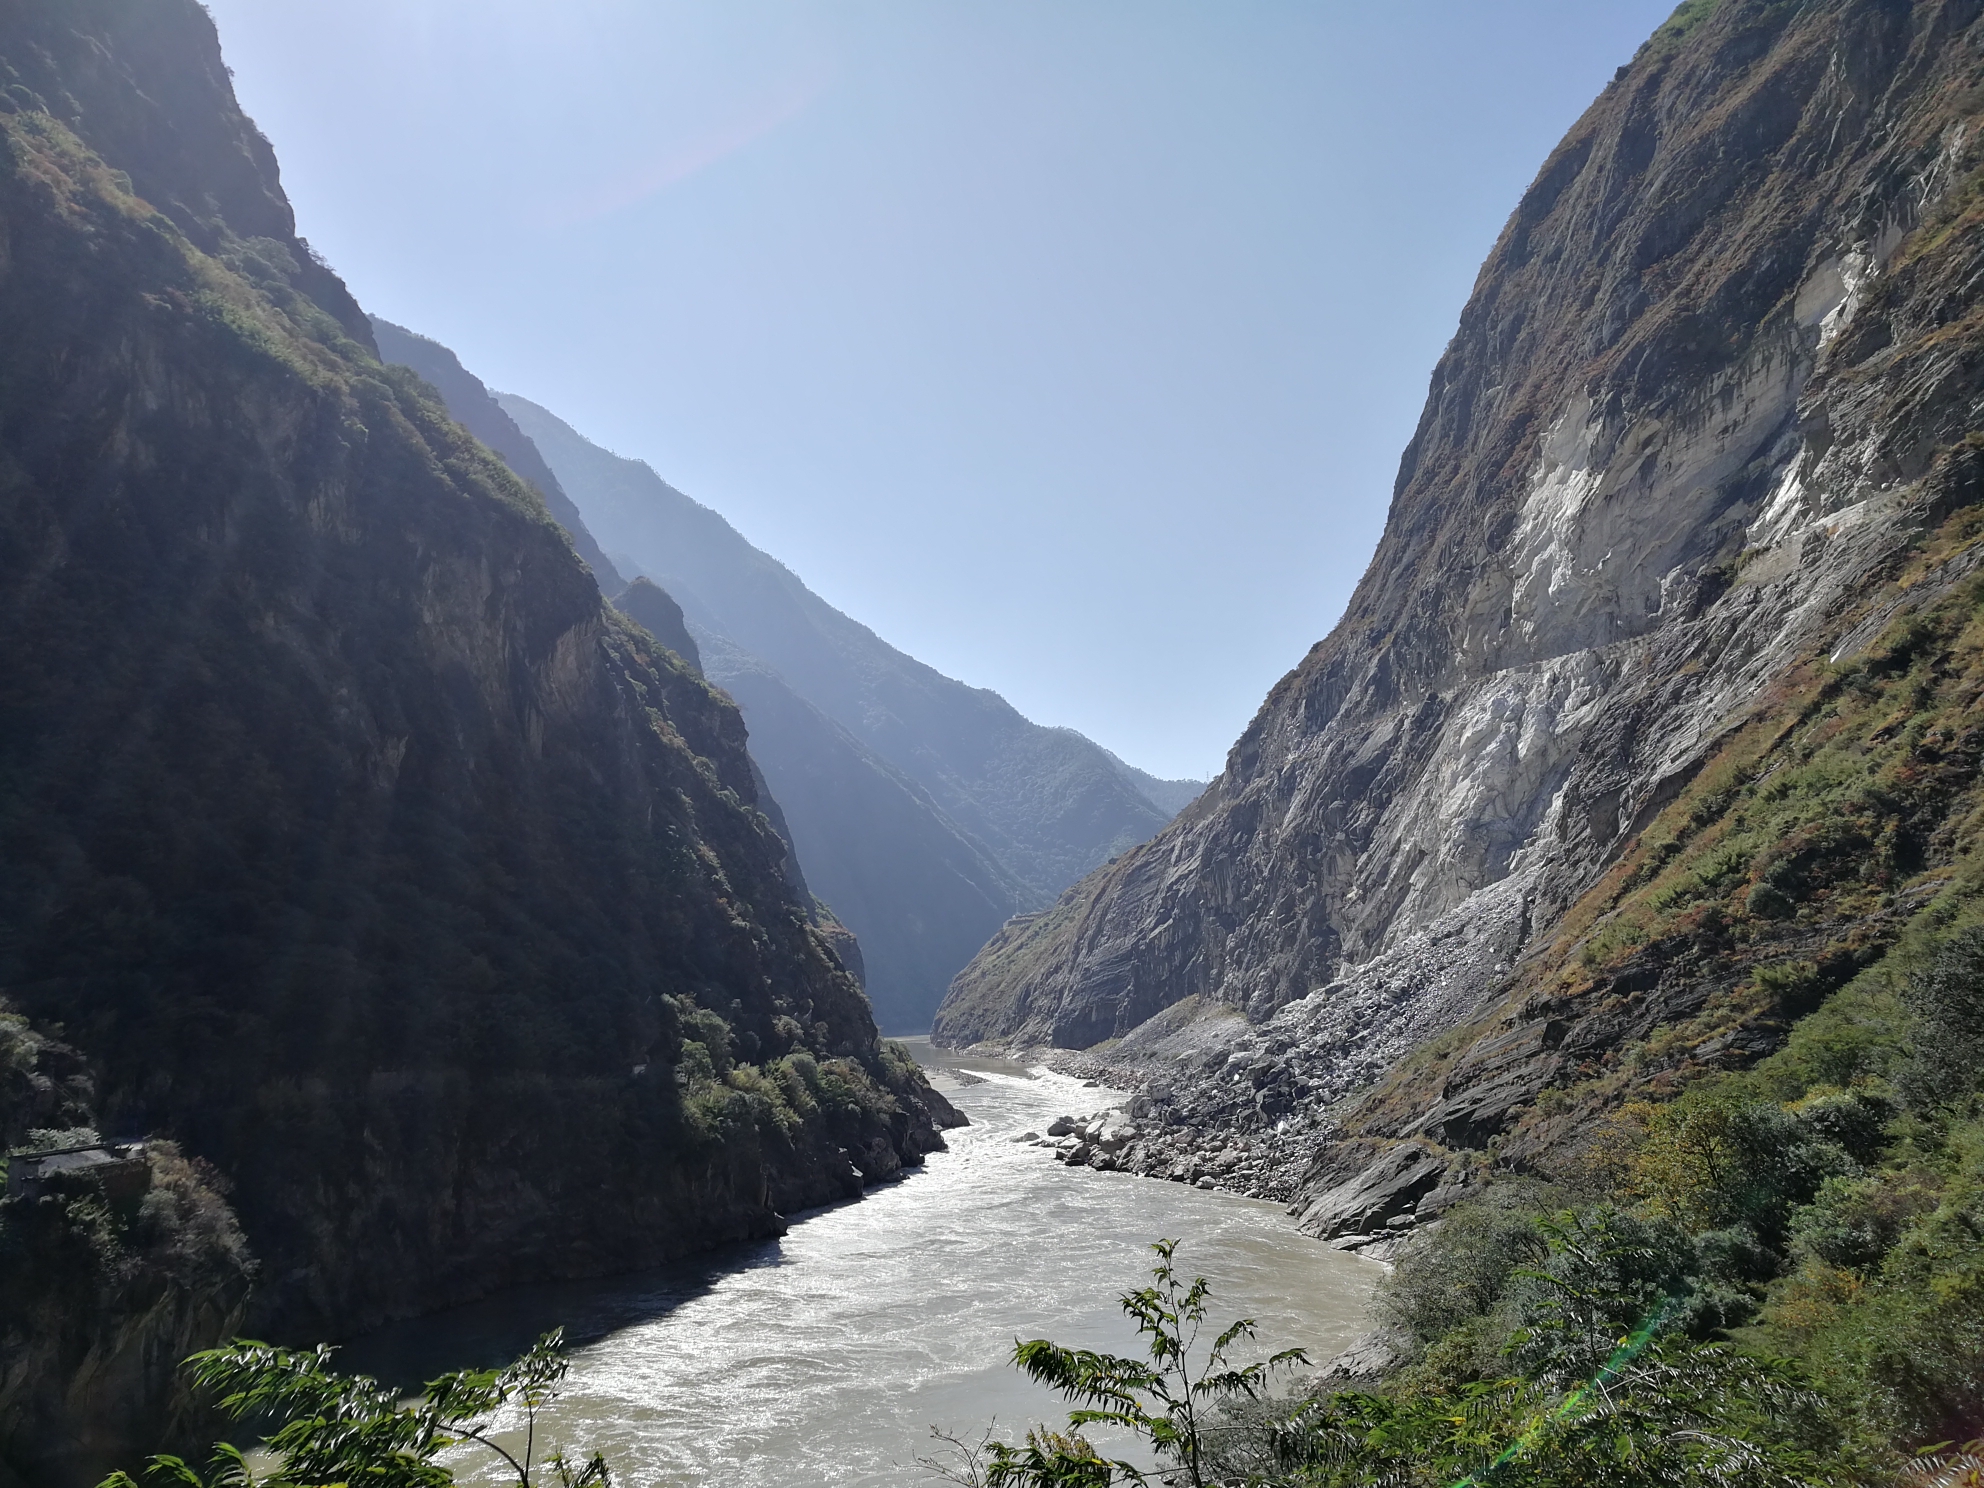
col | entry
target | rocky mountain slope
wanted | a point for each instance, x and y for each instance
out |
(475, 410)
(646, 603)
(347, 838)
(1695, 448)
(968, 812)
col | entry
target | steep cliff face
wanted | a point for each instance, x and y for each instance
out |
(347, 835)
(1714, 379)
(925, 812)
(644, 602)
(471, 405)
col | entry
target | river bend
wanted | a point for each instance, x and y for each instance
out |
(824, 1357)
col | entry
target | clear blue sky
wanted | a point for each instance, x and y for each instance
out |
(1069, 344)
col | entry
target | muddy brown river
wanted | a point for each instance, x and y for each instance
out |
(825, 1357)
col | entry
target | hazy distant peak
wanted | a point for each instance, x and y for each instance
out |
(925, 810)
(548, 428)
(525, 412)
(1169, 796)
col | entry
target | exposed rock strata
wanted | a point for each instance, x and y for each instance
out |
(1717, 378)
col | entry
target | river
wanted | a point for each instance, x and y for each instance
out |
(826, 1356)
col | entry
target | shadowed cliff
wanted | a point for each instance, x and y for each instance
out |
(349, 839)
(970, 812)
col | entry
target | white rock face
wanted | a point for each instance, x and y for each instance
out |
(1646, 484)
(1487, 790)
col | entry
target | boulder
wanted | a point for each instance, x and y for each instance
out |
(1371, 1357)
(1392, 1184)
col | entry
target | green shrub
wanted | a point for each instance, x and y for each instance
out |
(1856, 1039)
(1719, 1156)
(328, 1427)
(706, 1029)
(1946, 998)
(1460, 1272)
(1853, 1223)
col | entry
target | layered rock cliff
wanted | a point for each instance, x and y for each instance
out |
(349, 839)
(1717, 389)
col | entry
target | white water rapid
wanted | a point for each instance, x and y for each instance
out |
(825, 1357)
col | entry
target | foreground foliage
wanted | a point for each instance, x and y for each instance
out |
(1600, 1383)
(327, 1427)
(1165, 1399)
(1825, 1207)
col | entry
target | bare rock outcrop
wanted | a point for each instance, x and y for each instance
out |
(1717, 377)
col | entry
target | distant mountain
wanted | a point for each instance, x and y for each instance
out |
(1168, 796)
(1020, 810)
(918, 892)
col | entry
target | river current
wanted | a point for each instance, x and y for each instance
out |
(826, 1356)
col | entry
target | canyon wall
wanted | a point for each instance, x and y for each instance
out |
(1716, 391)
(351, 843)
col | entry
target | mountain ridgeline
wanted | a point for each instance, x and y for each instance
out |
(351, 847)
(473, 407)
(925, 812)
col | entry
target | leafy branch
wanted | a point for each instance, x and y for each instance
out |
(350, 1429)
(1165, 1398)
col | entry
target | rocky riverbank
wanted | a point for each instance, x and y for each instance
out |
(1212, 1129)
